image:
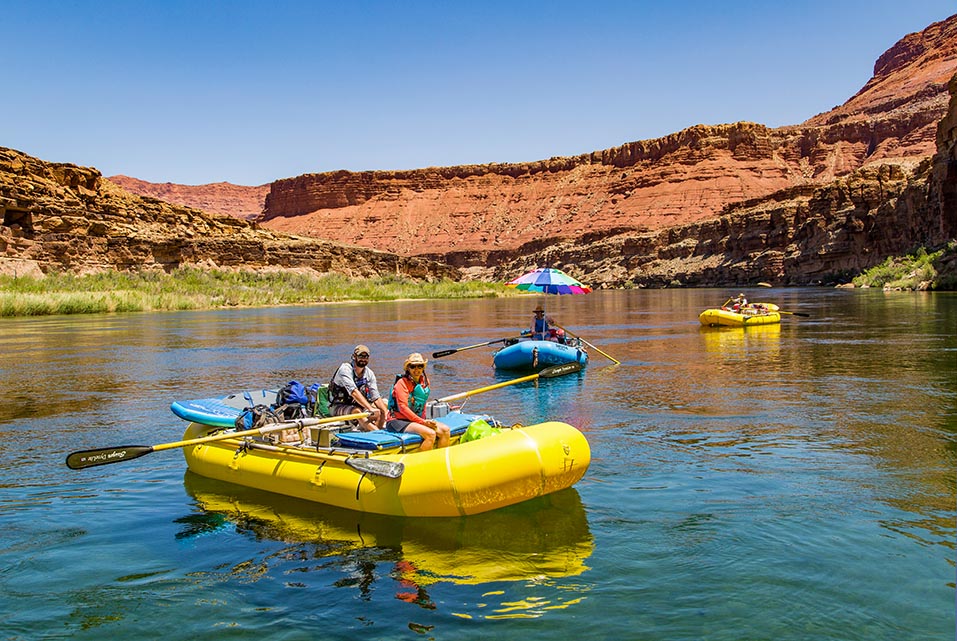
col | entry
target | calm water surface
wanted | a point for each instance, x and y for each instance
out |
(790, 482)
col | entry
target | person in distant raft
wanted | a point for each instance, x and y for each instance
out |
(542, 329)
(407, 405)
(353, 389)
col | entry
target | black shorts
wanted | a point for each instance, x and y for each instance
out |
(397, 425)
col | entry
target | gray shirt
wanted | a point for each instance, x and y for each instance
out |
(345, 377)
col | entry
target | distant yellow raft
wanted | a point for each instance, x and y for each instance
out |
(467, 478)
(752, 314)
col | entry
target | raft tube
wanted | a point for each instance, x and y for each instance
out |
(515, 465)
(532, 354)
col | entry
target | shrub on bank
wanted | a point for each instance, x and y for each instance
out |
(917, 270)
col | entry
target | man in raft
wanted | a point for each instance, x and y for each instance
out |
(353, 389)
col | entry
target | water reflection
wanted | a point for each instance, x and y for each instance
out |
(755, 459)
(739, 341)
(532, 543)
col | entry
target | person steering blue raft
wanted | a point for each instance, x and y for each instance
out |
(542, 329)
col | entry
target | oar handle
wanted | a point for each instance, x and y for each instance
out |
(548, 372)
(103, 456)
(455, 397)
(261, 431)
(608, 356)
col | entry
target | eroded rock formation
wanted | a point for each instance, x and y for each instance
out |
(710, 205)
(812, 234)
(65, 217)
(215, 198)
(693, 175)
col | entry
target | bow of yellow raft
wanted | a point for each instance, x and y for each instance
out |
(516, 465)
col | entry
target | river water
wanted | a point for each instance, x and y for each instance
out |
(789, 482)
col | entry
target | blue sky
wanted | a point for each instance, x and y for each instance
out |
(248, 92)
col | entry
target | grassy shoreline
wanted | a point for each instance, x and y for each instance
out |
(191, 288)
(194, 289)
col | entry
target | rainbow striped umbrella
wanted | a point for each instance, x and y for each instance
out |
(548, 281)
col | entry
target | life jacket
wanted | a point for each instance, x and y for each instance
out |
(539, 328)
(417, 397)
(338, 395)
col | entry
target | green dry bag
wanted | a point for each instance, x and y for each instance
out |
(479, 428)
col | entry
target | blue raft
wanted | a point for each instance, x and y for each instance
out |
(535, 355)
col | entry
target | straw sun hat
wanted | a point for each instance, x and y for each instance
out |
(414, 359)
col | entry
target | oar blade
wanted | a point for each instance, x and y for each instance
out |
(444, 352)
(560, 370)
(389, 469)
(105, 456)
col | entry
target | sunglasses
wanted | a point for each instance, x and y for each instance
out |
(416, 366)
(362, 355)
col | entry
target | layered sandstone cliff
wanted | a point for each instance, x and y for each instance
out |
(69, 218)
(906, 80)
(812, 234)
(215, 198)
(710, 205)
(693, 175)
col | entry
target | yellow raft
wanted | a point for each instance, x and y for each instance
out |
(515, 465)
(751, 314)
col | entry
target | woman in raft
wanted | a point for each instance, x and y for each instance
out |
(407, 405)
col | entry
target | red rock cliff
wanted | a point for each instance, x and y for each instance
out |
(215, 198)
(689, 176)
(69, 218)
(812, 234)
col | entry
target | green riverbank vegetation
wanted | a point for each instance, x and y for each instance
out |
(190, 288)
(919, 270)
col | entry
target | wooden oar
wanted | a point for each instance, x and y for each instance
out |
(90, 458)
(611, 358)
(449, 352)
(548, 372)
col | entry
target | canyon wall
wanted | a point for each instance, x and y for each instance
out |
(710, 205)
(58, 216)
(812, 234)
(214, 198)
(690, 176)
